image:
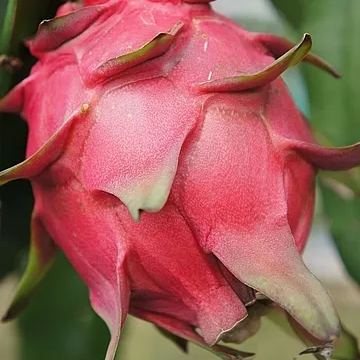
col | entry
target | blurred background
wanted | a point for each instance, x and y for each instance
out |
(59, 323)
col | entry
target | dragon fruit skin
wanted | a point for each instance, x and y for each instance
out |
(168, 108)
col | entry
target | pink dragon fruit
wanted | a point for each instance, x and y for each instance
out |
(170, 164)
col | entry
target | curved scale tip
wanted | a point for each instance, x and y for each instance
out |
(112, 306)
(263, 77)
(47, 154)
(184, 331)
(345, 347)
(322, 352)
(55, 32)
(270, 263)
(278, 45)
(156, 47)
(148, 195)
(41, 257)
(327, 158)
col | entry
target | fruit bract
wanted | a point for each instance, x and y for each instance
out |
(170, 164)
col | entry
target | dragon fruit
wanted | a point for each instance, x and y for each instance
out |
(171, 166)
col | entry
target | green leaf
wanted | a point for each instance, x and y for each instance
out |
(335, 27)
(345, 227)
(7, 20)
(346, 348)
(19, 19)
(181, 343)
(7, 25)
(59, 322)
(41, 256)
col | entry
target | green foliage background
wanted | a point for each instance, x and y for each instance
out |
(335, 108)
(60, 324)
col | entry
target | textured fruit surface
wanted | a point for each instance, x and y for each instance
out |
(170, 164)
